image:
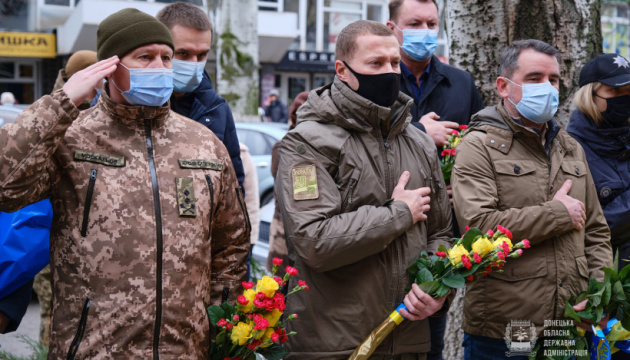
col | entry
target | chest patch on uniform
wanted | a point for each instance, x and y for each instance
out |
(99, 159)
(200, 164)
(305, 183)
(605, 192)
(185, 196)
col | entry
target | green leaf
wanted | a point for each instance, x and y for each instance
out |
(455, 281)
(442, 248)
(413, 269)
(625, 321)
(424, 275)
(595, 300)
(471, 235)
(439, 267)
(610, 275)
(616, 261)
(221, 337)
(429, 287)
(606, 294)
(592, 286)
(215, 314)
(618, 291)
(570, 312)
(442, 290)
(580, 297)
(585, 315)
(472, 270)
(273, 352)
(624, 274)
(599, 311)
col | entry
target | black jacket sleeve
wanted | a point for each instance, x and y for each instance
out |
(15, 304)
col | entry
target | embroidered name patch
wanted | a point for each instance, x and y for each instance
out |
(185, 196)
(200, 164)
(99, 159)
(305, 183)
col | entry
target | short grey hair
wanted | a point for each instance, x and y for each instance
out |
(509, 58)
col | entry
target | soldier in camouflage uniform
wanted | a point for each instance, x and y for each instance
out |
(149, 225)
(41, 285)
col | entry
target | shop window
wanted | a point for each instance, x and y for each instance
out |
(7, 70)
(615, 28)
(26, 71)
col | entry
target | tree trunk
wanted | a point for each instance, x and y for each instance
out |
(478, 31)
(237, 54)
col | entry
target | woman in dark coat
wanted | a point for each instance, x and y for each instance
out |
(600, 124)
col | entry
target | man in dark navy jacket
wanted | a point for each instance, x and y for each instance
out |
(444, 97)
(13, 307)
(193, 95)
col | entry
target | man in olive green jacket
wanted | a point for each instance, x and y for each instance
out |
(351, 226)
(518, 168)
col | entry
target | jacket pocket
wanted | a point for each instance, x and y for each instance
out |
(574, 168)
(211, 187)
(88, 202)
(514, 167)
(76, 341)
(512, 176)
(522, 269)
(582, 266)
(347, 195)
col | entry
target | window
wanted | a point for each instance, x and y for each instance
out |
(257, 142)
(19, 77)
(615, 28)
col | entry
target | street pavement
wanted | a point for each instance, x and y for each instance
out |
(29, 326)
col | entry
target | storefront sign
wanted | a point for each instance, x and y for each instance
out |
(312, 61)
(16, 44)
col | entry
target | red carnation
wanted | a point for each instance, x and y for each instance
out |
(259, 303)
(466, 262)
(275, 337)
(467, 228)
(452, 152)
(291, 271)
(445, 152)
(501, 255)
(455, 132)
(277, 261)
(477, 258)
(236, 317)
(248, 284)
(228, 326)
(508, 234)
(222, 323)
(470, 278)
(242, 300)
(260, 296)
(505, 247)
(303, 283)
(278, 280)
(463, 127)
(254, 344)
(501, 228)
(260, 323)
(270, 305)
(526, 244)
(490, 233)
(441, 254)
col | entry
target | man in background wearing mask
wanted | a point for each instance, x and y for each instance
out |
(444, 97)
(276, 110)
(518, 168)
(149, 225)
(362, 195)
(193, 95)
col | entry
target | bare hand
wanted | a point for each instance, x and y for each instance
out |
(83, 83)
(449, 191)
(587, 324)
(439, 131)
(4, 322)
(420, 304)
(576, 207)
(417, 200)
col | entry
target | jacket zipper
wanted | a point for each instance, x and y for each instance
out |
(241, 201)
(88, 202)
(74, 346)
(209, 180)
(351, 186)
(159, 244)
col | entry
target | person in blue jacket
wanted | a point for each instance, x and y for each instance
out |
(13, 307)
(193, 95)
(600, 124)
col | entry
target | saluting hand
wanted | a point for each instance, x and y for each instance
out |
(417, 200)
(82, 84)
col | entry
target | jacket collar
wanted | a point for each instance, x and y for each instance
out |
(436, 74)
(604, 141)
(134, 116)
(358, 113)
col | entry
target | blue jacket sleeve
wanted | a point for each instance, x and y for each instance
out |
(234, 149)
(15, 304)
(617, 214)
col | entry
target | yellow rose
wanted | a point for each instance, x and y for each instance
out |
(250, 294)
(455, 254)
(241, 333)
(267, 286)
(266, 337)
(499, 242)
(273, 317)
(482, 246)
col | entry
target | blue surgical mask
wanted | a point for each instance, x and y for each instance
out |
(419, 44)
(187, 75)
(148, 87)
(539, 102)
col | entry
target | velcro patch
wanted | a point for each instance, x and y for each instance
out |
(185, 196)
(305, 183)
(200, 164)
(99, 159)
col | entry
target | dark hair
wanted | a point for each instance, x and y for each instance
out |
(186, 15)
(510, 55)
(347, 40)
(394, 7)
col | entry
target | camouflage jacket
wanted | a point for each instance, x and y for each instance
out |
(149, 224)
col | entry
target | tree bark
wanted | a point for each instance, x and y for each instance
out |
(478, 31)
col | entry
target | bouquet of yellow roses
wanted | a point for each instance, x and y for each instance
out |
(448, 152)
(475, 253)
(253, 325)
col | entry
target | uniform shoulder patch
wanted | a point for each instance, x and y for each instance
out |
(99, 159)
(200, 164)
(305, 183)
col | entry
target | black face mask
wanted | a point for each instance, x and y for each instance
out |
(617, 110)
(381, 89)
